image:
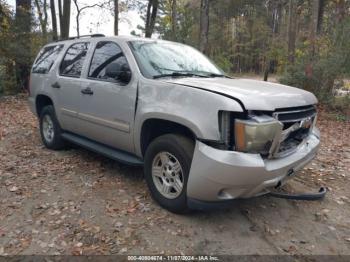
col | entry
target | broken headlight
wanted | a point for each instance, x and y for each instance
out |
(256, 135)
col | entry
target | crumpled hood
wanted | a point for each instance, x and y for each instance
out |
(254, 95)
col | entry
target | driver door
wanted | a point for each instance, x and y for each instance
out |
(107, 101)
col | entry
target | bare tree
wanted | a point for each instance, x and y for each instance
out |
(41, 6)
(80, 10)
(204, 26)
(151, 16)
(116, 17)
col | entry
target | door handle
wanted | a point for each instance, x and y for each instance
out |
(56, 85)
(87, 91)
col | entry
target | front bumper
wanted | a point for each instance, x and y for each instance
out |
(218, 175)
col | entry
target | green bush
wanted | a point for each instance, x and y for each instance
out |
(321, 81)
(223, 62)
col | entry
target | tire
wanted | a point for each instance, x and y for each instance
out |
(163, 157)
(55, 141)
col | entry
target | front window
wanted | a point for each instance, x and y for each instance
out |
(158, 58)
(108, 62)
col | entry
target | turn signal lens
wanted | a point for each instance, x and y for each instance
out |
(240, 136)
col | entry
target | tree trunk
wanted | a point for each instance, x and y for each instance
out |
(78, 25)
(54, 20)
(204, 26)
(314, 19)
(275, 27)
(23, 15)
(64, 14)
(292, 21)
(313, 33)
(266, 71)
(320, 16)
(174, 19)
(22, 31)
(313, 27)
(151, 16)
(42, 13)
(116, 17)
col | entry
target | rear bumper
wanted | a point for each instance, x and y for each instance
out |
(218, 176)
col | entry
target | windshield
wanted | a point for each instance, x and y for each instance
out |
(157, 59)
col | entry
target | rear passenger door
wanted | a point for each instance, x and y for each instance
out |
(108, 104)
(68, 83)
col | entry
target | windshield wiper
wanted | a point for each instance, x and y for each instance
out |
(174, 74)
(216, 75)
(209, 74)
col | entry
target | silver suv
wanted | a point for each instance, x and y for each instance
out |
(203, 137)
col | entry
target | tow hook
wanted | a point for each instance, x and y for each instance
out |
(304, 196)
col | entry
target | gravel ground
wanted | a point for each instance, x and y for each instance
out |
(77, 202)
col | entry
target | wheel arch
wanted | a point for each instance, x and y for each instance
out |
(155, 127)
(41, 101)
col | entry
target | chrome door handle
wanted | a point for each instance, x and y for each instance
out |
(87, 91)
(56, 85)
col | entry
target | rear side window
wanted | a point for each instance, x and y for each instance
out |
(73, 61)
(46, 59)
(106, 53)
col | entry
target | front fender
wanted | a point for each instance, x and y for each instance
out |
(194, 108)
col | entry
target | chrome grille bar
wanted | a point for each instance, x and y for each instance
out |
(289, 116)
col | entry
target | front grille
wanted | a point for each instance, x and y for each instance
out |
(293, 115)
(297, 124)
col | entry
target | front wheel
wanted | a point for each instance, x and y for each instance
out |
(167, 164)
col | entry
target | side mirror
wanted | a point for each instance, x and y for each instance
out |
(113, 70)
(119, 72)
(125, 74)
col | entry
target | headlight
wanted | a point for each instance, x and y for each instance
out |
(257, 134)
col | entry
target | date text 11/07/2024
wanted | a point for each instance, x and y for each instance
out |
(173, 258)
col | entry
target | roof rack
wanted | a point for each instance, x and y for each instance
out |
(83, 36)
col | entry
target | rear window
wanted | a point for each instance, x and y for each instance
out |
(46, 59)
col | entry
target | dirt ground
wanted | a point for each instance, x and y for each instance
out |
(77, 202)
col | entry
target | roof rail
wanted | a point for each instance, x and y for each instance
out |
(82, 36)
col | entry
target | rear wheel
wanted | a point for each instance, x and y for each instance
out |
(50, 129)
(167, 164)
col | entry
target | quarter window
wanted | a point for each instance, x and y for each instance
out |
(73, 61)
(107, 55)
(46, 59)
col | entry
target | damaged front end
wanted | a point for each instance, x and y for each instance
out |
(262, 150)
(274, 134)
